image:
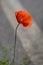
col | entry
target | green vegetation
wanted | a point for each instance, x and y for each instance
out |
(5, 61)
(24, 61)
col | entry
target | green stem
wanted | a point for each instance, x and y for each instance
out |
(15, 42)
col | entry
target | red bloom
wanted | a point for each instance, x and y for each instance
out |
(24, 18)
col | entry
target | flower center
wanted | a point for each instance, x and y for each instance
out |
(21, 19)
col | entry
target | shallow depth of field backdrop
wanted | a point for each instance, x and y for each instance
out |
(29, 41)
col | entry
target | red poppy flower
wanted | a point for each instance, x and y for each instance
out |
(24, 18)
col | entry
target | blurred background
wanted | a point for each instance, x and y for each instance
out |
(29, 41)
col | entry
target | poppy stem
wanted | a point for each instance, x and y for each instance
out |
(15, 42)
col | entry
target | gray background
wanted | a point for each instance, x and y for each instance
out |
(32, 36)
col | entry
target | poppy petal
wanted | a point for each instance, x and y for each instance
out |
(24, 18)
